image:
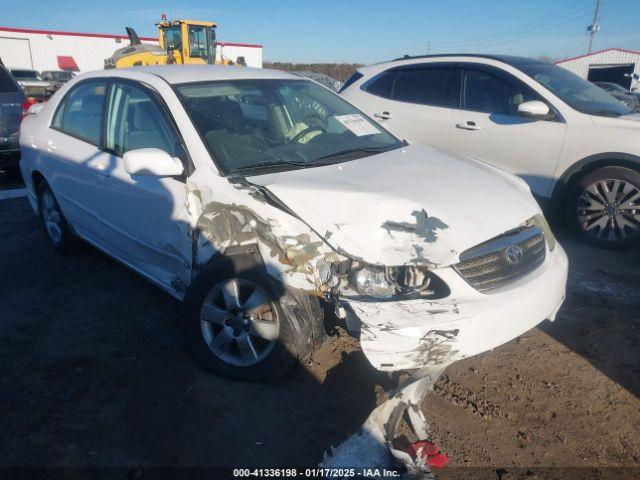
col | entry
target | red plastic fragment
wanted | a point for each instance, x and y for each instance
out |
(435, 458)
(438, 460)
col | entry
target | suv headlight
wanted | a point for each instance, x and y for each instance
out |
(387, 283)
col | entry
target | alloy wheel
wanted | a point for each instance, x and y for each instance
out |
(51, 216)
(239, 322)
(609, 209)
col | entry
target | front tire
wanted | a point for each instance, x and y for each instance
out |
(235, 325)
(604, 207)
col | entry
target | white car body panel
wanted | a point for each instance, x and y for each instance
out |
(541, 152)
(397, 208)
(168, 230)
(527, 148)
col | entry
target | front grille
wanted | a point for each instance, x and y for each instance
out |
(498, 262)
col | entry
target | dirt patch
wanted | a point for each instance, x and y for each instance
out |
(93, 372)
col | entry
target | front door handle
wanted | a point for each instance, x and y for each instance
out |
(383, 115)
(51, 146)
(468, 126)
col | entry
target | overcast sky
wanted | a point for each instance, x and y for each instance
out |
(358, 31)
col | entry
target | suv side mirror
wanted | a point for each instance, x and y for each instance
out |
(533, 109)
(153, 162)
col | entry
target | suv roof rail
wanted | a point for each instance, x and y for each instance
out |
(511, 60)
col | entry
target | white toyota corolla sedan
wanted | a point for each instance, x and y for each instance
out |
(258, 197)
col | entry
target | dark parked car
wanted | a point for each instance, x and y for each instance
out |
(56, 79)
(323, 79)
(619, 92)
(12, 102)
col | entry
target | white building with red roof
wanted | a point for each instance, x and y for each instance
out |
(23, 48)
(615, 65)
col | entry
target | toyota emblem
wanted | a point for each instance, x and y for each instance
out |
(513, 254)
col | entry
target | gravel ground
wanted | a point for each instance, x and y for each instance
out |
(93, 373)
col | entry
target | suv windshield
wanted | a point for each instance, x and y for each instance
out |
(576, 92)
(256, 126)
(25, 75)
(611, 87)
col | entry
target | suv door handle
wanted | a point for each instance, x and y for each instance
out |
(469, 126)
(51, 146)
(383, 115)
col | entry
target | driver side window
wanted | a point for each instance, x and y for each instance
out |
(135, 121)
(491, 92)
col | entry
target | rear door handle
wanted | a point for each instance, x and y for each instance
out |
(383, 115)
(468, 126)
(51, 146)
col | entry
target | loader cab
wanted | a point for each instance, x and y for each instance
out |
(188, 41)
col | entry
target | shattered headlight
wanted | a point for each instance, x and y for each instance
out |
(541, 222)
(384, 283)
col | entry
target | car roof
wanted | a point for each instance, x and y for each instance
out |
(508, 59)
(177, 74)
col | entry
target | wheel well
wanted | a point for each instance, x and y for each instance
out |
(37, 178)
(588, 165)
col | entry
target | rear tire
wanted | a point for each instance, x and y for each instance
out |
(235, 324)
(603, 207)
(53, 222)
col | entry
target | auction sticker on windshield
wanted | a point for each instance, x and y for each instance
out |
(357, 124)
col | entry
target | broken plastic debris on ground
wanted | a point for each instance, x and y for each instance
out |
(377, 443)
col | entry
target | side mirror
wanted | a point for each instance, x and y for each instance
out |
(533, 109)
(153, 162)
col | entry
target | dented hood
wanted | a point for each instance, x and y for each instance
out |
(416, 204)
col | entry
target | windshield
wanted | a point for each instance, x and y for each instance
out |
(25, 75)
(255, 126)
(612, 87)
(172, 37)
(576, 92)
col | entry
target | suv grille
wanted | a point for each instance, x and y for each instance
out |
(503, 259)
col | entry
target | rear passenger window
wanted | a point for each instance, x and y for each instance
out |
(135, 121)
(382, 84)
(493, 93)
(80, 114)
(427, 86)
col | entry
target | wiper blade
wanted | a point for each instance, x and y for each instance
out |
(352, 151)
(261, 166)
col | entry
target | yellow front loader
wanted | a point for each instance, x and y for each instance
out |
(180, 42)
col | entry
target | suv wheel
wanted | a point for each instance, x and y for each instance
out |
(235, 324)
(604, 207)
(55, 225)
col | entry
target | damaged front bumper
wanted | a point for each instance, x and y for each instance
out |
(398, 335)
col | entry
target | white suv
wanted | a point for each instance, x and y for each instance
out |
(576, 146)
(253, 194)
